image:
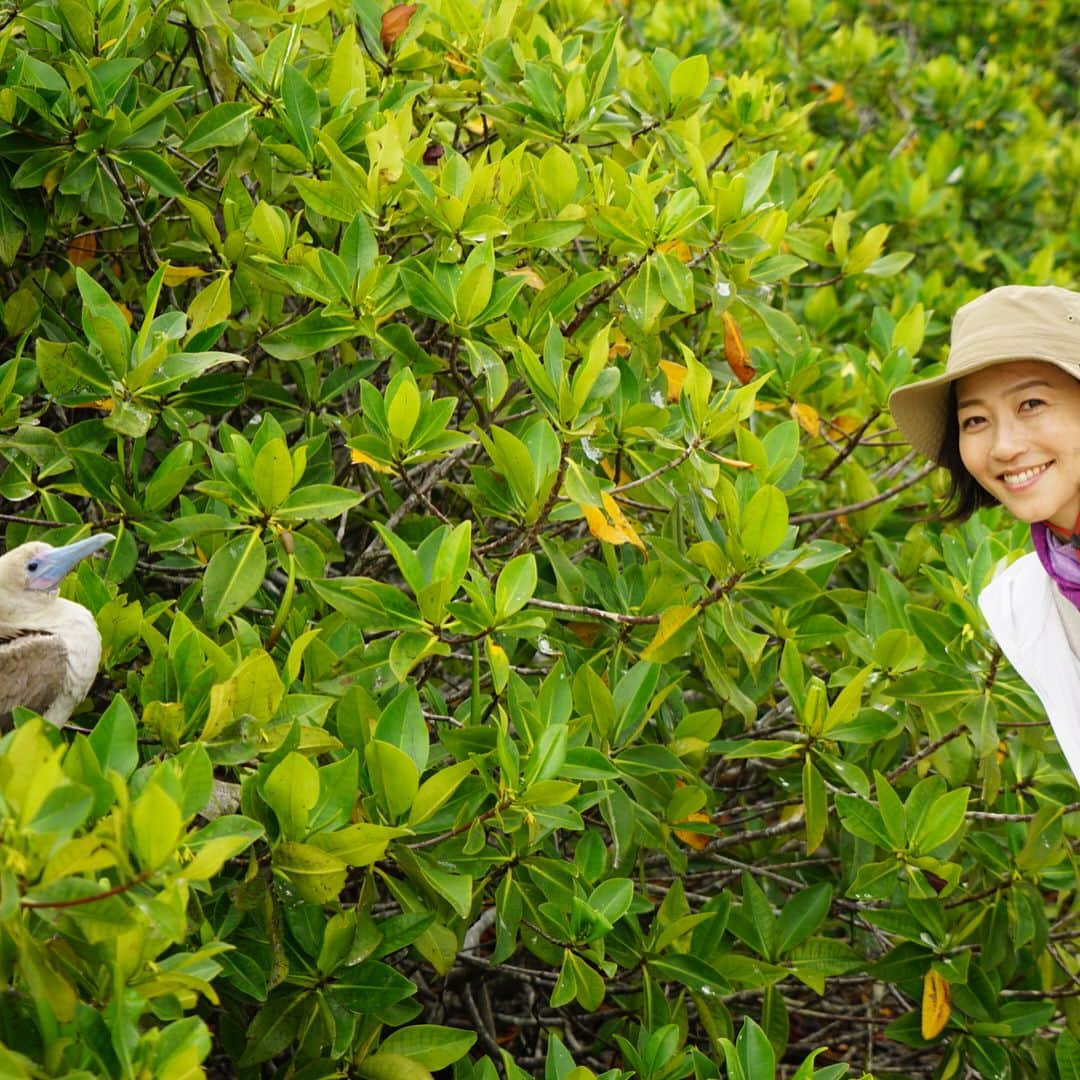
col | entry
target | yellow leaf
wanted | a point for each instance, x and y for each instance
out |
(360, 458)
(177, 275)
(936, 1004)
(609, 472)
(698, 841)
(461, 67)
(126, 312)
(676, 376)
(808, 418)
(532, 278)
(599, 525)
(52, 178)
(738, 359)
(670, 621)
(835, 93)
(104, 404)
(619, 520)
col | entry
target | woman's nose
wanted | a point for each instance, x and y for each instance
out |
(1009, 439)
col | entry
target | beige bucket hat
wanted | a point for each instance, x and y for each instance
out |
(1013, 322)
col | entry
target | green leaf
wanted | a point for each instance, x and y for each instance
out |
(155, 827)
(292, 790)
(755, 1051)
(431, 1045)
(515, 586)
(394, 776)
(942, 823)
(437, 789)
(317, 876)
(155, 170)
(764, 522)
(316, 502)
(233, 575)
(308, 335)
(113, 739)
(273, 473)
(226, 124)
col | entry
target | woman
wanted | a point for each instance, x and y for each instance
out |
(1004, 419)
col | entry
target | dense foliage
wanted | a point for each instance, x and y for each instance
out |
(526, 652)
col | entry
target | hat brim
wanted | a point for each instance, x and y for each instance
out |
(921, 409)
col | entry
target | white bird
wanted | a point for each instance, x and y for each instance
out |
(50, 648)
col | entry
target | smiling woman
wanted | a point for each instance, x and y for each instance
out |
(1004, 419)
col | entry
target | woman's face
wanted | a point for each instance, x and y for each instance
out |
(1020, 438)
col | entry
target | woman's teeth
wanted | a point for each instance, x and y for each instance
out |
(1018, 478)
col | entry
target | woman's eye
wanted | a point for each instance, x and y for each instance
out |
(1032, 403)
(969, 423)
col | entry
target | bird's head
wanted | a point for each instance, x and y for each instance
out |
(31, 573)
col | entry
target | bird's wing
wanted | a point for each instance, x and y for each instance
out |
(33, 666)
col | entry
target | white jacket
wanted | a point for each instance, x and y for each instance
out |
(1034, 624)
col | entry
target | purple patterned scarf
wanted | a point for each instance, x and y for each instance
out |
(1059, 561)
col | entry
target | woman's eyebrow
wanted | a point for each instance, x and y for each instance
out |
(1027, 384)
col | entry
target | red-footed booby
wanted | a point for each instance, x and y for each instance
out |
(50, 648)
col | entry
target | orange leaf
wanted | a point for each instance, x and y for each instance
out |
(619, 345)
(936, 1004)
(126, 312)
(82, 249)
(585, 632)
(698, 841)
(679, 248)
(395, 22)
(847, 424)
(835, 93)
(808, 418)
(532, 278)
(676, 376)
(735, 353)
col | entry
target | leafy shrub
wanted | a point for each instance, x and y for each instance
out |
(489, 404)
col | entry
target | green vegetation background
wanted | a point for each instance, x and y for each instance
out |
(489, 401)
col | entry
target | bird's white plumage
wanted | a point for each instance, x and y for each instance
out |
(50, 647)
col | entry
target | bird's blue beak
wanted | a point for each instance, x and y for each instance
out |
(45, 572)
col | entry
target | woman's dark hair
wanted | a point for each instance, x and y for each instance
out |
(966, 495)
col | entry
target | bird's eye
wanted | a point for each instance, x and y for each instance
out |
(32, 566)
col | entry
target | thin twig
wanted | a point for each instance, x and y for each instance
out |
(852, 508)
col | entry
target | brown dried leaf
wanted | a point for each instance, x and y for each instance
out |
(735, 353)
(82, 249)
(394, 23)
